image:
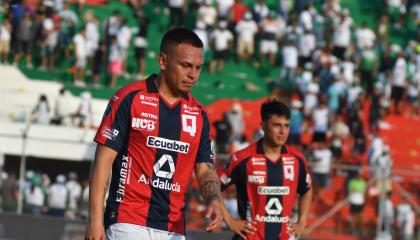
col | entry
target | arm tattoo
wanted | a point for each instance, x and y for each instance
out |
(209, 182)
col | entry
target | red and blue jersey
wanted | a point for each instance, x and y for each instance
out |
(266, 190)
(158, 145)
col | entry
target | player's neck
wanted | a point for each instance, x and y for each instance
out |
(165, 90)
(271, 151)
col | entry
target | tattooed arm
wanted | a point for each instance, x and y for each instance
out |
(104, 157)
(210, 190)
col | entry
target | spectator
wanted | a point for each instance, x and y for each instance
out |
(399, 82)
(342, 35)
(223, 134)
(140, 44)
(246, 30)
(75, 193)
(306, 45)
(59, 108)
(271, 30)
(68, 22)
(236, 120)
(237, 10)
(91, 37)
(9, 193)
(311, 97)
(116, 59)
(84, 111)
(177, 11)
(260, 10)
(357, 192)
(382, 31)
(112, 25)
(305, 19)
(368, 69)
(405, 220)
(289, 64)
(81, 54)
(321, 169)
(58, 196)
(24, 37)
(123, 40)
(223, 7)
(98, 62)
(34, 197)
(320, 118)
(202, 33)
(208, 14)
(296, 119)
(221, 41)
(41, 112)
(48, 43)
(5, 37)
(364, 37)
(84, 200)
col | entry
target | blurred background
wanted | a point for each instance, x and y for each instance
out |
(349, 70)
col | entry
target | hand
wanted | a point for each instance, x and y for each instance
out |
(95, 231)
(241, 227)
(295, 229)
(214, 214)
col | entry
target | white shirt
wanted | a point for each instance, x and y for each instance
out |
(81, 46)
(305, 20)
(342, 33)
(311, 99)
(246, 30)
(307, 44)
(320, 119)
(348, 72)
(221, 39)
(42, 113)
(75, 192)
(123, 37)
(35, 197)
(202, 34)
(92, 37)
(261, 10)
(175, 3)
(5, 34)
(207, 14)
(290, 56)
(323, 159)
(405, 218)
(223, 6)
(400, 72)
(57, 196)
(365, 38)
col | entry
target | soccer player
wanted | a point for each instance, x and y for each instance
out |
(153, 134)
(268, 176)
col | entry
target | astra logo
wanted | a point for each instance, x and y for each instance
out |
(143, 124)
(171, 145)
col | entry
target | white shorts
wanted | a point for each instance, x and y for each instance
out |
(268, 46)
(128, 231)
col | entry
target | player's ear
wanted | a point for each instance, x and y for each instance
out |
(162, 61)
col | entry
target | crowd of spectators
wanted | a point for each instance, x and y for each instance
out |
(66, 196)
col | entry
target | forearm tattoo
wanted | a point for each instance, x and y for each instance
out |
(209, 182)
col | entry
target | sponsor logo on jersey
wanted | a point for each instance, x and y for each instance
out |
(256, 179)
(256, 172)
(162, 181)
(289, 171)
(271, 190)
(149, 98)
(124, 177)
(258, 161)
(273, 211)
(190, 108)
(149, 115)
(171, 145)
(149, 103)
(189, 124)
(110, 133)
(143, 124)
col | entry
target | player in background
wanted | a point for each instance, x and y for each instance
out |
(153, 134)
(268, 176)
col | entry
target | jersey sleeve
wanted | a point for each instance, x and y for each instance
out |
(229, 172)
(304, 182)
(205, 153)
(114, 127)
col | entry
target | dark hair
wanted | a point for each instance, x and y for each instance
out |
(177, 36)
(274, 107)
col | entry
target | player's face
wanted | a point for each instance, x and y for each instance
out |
(182, 66)
(276, 130)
